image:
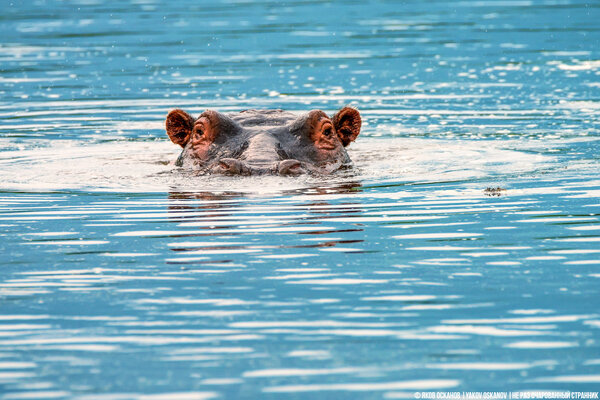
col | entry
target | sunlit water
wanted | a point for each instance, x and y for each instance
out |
(123, 276)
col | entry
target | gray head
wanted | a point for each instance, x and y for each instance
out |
(264, 141)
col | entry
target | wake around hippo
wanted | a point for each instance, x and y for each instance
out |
(264, 141)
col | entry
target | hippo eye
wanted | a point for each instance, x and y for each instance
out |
(199, 132)
(327, 132)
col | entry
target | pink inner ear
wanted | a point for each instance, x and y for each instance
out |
(347, 124)
(179, 126)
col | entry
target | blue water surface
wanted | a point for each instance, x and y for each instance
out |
(123, 276)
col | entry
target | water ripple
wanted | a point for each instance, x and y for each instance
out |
(460, 251)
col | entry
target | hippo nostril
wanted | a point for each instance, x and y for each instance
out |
(231, 165)
(290, 167)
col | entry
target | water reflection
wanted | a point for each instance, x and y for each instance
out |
(230, 216)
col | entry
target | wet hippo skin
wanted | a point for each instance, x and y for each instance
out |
(264, 141)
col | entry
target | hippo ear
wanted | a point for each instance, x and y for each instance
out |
(347, 124)
(179, 126)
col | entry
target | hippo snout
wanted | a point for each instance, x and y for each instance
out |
(290, 167)
(232, 166)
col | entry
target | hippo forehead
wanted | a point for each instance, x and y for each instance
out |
(284, 126)
(263, 141)
(263, 118)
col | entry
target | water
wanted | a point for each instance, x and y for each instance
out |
(125, 277)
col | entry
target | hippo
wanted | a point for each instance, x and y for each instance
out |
(253, 142)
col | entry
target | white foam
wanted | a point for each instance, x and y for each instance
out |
(147, 166)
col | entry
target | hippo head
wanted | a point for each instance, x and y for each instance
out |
(264, 141)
